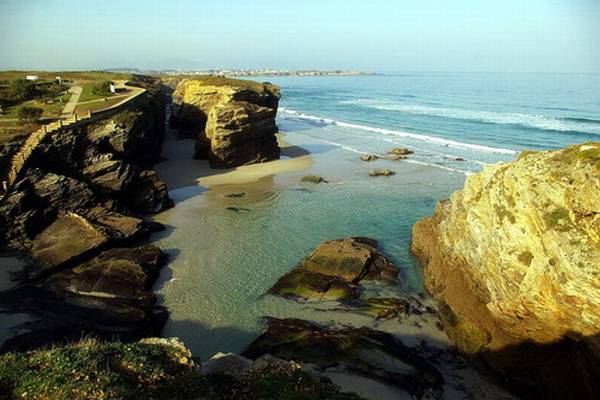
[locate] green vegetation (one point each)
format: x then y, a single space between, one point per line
22 89
83 109
274 384
102 89
28 114
93 370
211 80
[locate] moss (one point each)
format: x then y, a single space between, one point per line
588 153
502 213
558 220
525 258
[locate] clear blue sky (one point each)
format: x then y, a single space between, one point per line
370 35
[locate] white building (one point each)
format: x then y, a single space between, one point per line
32 77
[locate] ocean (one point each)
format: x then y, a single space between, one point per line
224 260
479 117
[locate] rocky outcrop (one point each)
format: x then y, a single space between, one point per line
361 351
232 120
79 200
513 258
154 368
334 269
381 172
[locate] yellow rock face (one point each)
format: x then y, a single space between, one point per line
234 120
515 255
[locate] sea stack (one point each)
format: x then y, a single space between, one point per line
233 121
514 259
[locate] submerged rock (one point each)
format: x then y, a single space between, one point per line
363 351
400 151
313 179
369 157
334 269
233 121
513 258
381 172
395 157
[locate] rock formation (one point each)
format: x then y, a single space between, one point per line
361 351
233 121
514 258
381 172
76 204
334 269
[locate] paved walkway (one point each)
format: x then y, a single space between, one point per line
72 103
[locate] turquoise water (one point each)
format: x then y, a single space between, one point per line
224 261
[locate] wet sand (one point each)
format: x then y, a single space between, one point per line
179 169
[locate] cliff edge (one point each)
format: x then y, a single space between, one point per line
233 121
514 258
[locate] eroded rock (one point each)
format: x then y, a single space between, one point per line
233 121
513 258
334 269
362 351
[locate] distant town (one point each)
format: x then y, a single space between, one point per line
242 72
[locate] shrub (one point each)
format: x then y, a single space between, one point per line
22 89
29 114
102 89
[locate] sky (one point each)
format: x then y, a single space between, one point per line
367 35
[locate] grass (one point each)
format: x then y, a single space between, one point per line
211 80
93 370
83 109
86 93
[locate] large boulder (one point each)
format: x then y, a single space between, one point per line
514 258
334 269
232 120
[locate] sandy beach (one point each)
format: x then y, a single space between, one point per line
179 169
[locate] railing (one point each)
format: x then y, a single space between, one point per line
20 158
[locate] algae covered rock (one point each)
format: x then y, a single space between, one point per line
369 157
232 120
334 269
363 351
515 259
381 172
313 179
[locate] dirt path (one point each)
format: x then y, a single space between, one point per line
72 103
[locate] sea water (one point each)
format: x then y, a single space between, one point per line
224 260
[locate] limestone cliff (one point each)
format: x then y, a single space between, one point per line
233 121
514 258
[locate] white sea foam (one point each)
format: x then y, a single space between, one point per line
412 161
537 121
424 138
